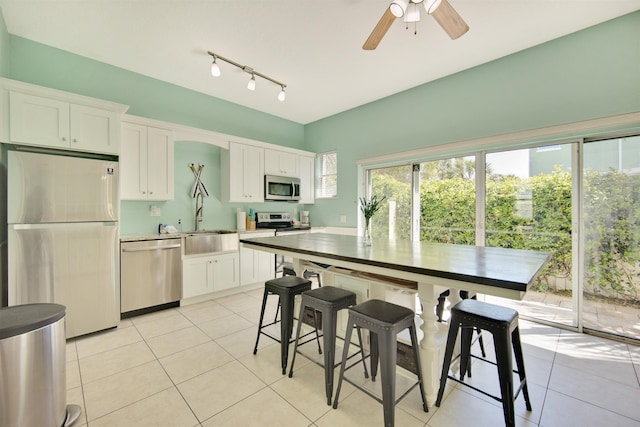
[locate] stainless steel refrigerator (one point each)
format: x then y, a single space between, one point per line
63 235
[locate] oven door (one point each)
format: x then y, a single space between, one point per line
281 188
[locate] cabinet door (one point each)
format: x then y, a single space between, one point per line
306 172
225 271
246 173
197 278
280 163
94 130
133 162
160 164
38 121
265 266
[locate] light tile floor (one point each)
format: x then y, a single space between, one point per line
193 366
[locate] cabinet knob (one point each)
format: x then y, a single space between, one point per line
64 138
75 140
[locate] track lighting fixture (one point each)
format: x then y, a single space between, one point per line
251 85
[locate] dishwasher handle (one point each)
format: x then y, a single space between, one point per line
151 248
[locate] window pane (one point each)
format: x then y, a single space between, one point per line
327 178
612 236
448 201
393 221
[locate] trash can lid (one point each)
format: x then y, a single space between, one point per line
20 319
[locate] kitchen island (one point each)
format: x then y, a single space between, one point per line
434 267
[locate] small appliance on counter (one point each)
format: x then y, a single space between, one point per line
304 217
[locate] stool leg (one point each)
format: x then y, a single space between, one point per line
517 350
315 326
295 347
345 355
502 343
286 324
416 349
264 304
466 334
388 356
374 352
481 342
448 353
364 363
329 321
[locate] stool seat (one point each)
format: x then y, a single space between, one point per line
284 283
286 287
502 323
330 295
384 320
489 314
384 314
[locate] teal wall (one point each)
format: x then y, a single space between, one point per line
159 100
4 48
590 74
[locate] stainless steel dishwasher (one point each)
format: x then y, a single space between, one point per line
150 273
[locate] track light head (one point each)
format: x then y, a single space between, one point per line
282 95
252 83
215 69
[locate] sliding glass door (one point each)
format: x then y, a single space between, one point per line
611 182
529 206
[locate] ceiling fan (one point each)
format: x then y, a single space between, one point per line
441 10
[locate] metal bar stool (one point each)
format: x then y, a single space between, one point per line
286 288
384 321
502 323
328 301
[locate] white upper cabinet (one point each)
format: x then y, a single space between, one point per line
280 163
36 120
307 179
146 163
242 172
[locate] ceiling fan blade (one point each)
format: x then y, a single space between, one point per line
449 20
379 31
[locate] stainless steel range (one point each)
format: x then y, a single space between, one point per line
282 222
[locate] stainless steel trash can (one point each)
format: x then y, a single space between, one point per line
33 365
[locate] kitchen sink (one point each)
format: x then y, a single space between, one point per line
210 241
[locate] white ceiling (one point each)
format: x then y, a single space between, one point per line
313 46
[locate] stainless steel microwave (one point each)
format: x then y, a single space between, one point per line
281 188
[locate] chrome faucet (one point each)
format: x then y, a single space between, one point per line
199 209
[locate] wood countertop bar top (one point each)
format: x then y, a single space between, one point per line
512 269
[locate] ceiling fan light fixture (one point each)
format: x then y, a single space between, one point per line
215 68
431 5
398 8
282 95
412 15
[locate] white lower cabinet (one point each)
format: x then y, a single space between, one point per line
205 274
256 266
